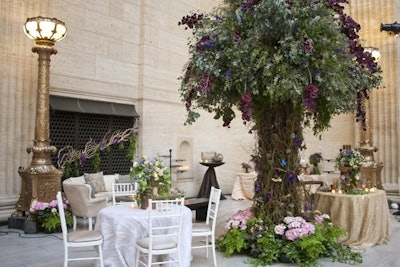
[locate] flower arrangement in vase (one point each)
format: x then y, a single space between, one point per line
349 162
153 179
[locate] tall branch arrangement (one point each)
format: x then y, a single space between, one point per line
68 156
284 65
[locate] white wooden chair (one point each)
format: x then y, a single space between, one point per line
123 189
83 238
207 229
164 238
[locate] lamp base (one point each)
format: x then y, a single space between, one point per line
41 184
372 174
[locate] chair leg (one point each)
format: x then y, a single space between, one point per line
137 257
207 247
90 223
213 251
178 253
101 256
65 255
149 259
74 218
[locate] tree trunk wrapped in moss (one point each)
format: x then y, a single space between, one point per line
278 191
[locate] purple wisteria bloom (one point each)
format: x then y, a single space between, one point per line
291 178
228 74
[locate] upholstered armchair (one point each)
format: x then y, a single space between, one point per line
81 202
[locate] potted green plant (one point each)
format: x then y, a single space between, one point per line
47 216
299 240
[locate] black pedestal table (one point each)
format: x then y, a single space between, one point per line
209 180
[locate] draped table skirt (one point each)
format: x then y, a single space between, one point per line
365 218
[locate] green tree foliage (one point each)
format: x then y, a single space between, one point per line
284 64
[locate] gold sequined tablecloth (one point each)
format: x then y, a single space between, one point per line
365 218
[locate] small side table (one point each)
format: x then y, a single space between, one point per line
209 180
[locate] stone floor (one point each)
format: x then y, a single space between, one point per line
19 250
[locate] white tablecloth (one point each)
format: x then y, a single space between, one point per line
122 225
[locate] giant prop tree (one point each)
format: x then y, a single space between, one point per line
285 65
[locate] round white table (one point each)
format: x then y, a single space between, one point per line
122 225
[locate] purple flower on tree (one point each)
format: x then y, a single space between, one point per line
190 21
291 177
203 43
228 74
206 83
246 107
308 46
309 97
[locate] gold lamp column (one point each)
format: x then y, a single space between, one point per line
41 180
370 170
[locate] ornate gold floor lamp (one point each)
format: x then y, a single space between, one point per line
370 170
41 180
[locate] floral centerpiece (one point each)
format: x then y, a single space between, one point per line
297 240
152 178
47 215
314 159
349 162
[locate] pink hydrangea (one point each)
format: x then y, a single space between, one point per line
293 234
239 220
40 205
53 204
319 219
280 229
294 228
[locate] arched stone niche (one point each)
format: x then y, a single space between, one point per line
185 159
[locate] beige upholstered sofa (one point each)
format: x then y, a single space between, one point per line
101 185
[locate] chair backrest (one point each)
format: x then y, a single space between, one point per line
213 206
80 200
63 221
122 189
165 219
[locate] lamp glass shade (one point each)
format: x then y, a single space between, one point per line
376 54
41 29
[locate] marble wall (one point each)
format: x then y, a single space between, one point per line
132 52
